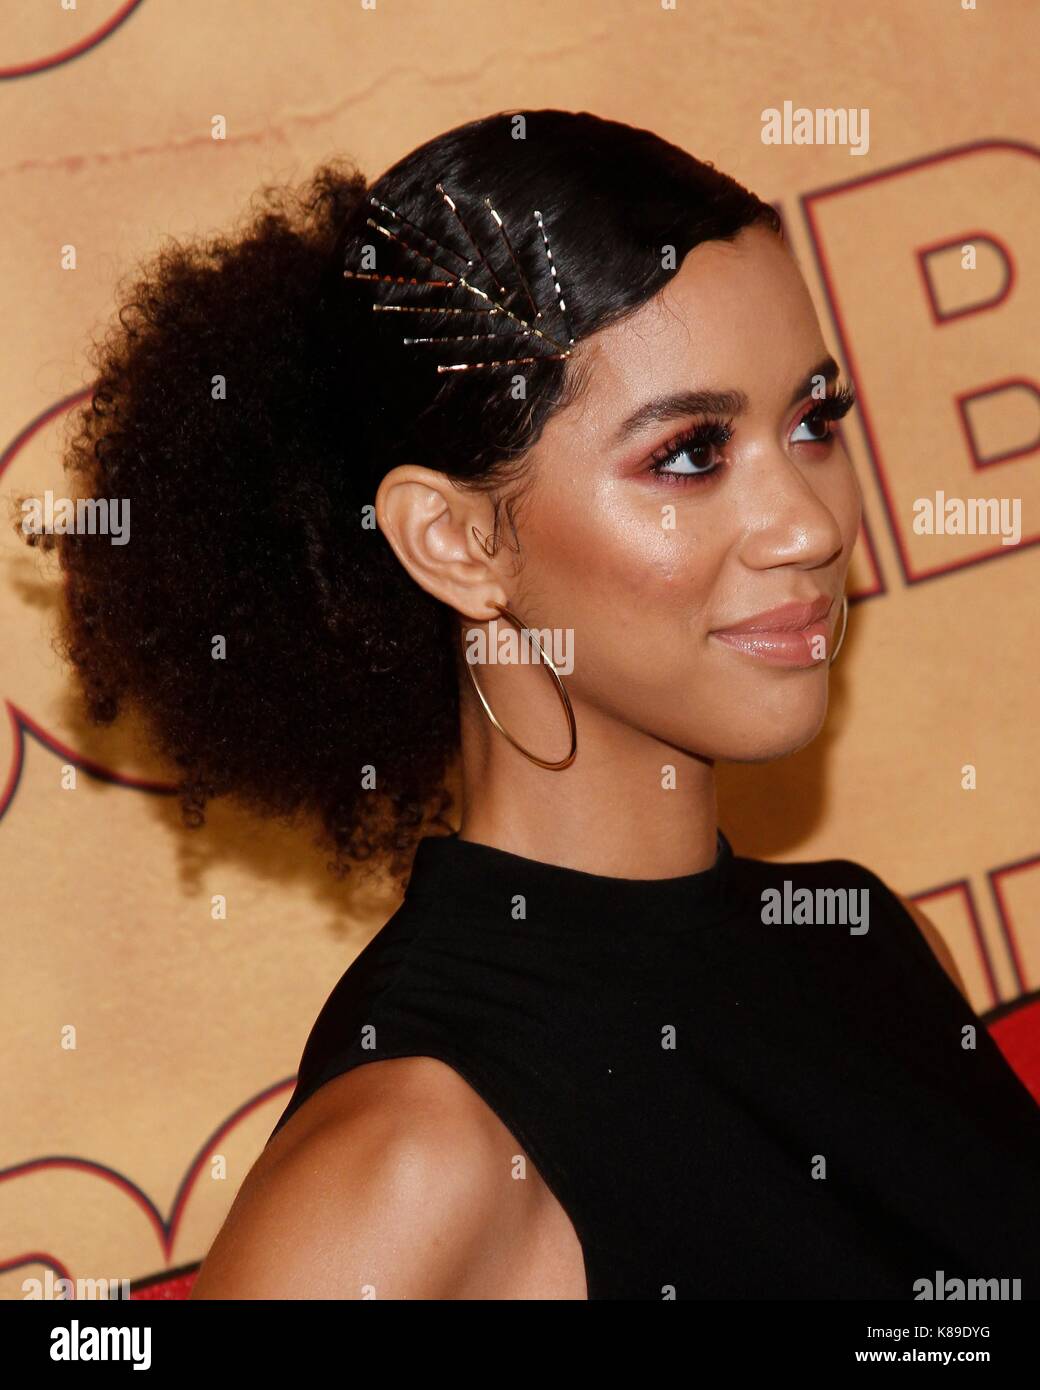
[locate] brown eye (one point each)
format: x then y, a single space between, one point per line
697 450
818 426
694 458
818 420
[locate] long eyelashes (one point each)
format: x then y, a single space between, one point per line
710 434
714 433
831 408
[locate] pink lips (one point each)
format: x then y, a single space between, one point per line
783 636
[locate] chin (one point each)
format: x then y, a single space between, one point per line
775 733
771 752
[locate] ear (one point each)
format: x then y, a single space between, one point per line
429 523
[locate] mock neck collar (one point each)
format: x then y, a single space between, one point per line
451 870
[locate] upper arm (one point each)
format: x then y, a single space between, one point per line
934 938
378 1186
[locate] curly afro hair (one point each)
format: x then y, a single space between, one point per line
246 406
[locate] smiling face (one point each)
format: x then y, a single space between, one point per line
648 529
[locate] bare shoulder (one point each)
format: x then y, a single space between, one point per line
935 940
395 1180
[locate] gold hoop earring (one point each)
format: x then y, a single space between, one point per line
560 688
844 625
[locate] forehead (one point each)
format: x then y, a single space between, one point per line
735 314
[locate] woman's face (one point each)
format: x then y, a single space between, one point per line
648 548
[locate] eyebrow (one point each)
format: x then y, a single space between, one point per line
681 404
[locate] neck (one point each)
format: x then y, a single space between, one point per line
616 810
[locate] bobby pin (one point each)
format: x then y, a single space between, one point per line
430 308
464 338
556 282
383 207
513 256
469 237
393 236
493 306
465 284
399 280
507 362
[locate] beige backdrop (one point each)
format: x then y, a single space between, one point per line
121 1154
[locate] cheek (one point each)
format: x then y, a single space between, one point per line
635 562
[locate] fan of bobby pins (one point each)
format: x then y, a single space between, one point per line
495 305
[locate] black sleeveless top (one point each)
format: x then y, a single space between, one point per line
725 1107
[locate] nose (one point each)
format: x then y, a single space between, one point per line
792 524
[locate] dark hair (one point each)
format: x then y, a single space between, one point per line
248 404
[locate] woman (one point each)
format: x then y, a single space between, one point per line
576 377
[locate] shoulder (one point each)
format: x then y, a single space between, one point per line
935 941
926 929
850 873
394 1180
